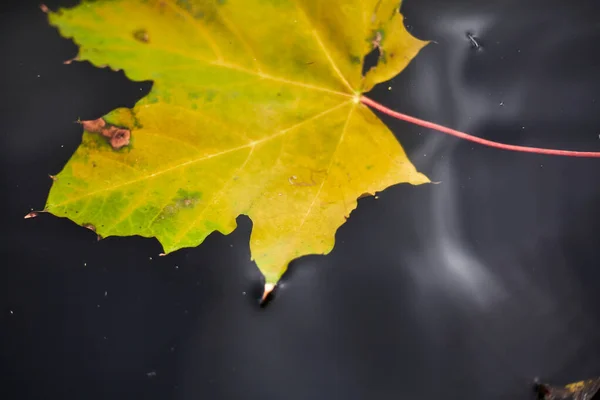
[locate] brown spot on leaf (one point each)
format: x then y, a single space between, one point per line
107 133
119 138
141 35
93 125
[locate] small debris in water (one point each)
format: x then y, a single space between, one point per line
474 43
151 374
582 390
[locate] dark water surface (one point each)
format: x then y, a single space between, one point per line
464 290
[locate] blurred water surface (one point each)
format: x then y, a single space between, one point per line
467 289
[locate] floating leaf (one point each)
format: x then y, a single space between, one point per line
255 110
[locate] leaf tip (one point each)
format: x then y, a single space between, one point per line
91 227
268 289
70 60
32 214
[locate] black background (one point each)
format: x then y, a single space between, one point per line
463 290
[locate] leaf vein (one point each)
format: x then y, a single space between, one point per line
193 161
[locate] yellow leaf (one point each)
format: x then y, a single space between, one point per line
254 110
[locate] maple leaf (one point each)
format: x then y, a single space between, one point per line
255 109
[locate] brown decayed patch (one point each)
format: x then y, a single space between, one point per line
141 35
117 137
93 125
